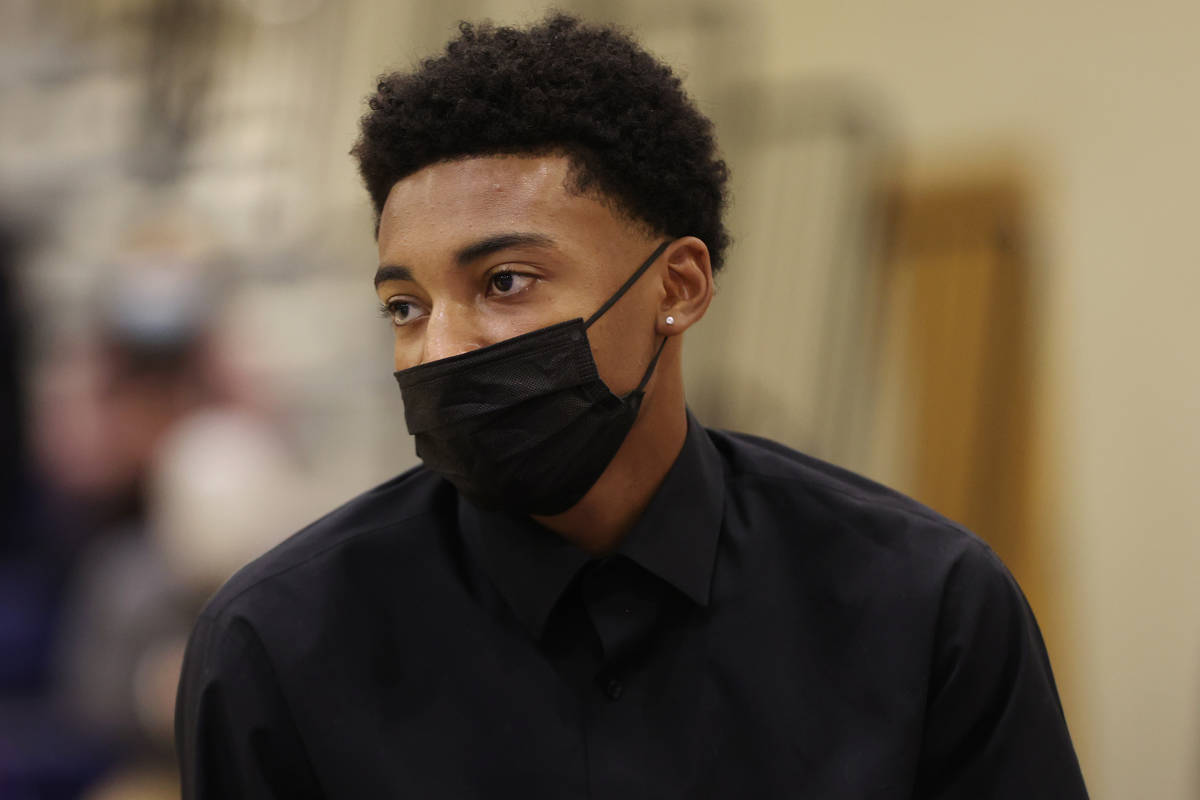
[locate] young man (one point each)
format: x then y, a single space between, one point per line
583 592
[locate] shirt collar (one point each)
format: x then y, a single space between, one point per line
675 538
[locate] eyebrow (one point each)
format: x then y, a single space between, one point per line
470 253
501 241
392 273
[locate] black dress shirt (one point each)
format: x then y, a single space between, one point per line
771 627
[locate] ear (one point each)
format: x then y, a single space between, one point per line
688 285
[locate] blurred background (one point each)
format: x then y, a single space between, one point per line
965 265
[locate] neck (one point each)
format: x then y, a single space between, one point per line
599 521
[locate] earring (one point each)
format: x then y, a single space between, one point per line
670 320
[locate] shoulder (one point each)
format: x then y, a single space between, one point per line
824 488
394 514
848 523
861 545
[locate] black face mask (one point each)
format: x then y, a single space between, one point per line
525 424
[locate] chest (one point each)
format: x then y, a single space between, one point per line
735 701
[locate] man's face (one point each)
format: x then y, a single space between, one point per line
476 251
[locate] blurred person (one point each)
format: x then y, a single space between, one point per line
105 399
182 478
102 409
106 408
583 592
26 610
43 756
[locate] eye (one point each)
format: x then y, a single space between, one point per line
507 283
402 311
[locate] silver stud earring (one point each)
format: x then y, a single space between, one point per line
670 320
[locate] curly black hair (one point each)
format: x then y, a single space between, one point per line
588 92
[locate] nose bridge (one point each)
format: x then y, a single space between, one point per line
448 332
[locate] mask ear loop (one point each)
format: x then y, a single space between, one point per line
625 286
649 370
617 296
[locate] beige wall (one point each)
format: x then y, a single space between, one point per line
1105 101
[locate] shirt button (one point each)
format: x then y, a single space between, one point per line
613 688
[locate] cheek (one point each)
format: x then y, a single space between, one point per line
544 307
406 352
624 340
621 354
495 328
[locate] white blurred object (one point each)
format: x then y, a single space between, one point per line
224 491
158 299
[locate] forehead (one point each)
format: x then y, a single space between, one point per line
447 203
